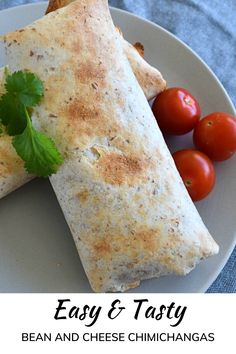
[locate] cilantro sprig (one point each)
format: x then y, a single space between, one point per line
24 90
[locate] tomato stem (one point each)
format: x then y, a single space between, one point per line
188 183
209 123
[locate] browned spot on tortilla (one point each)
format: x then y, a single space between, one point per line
78 111
101 248
147 240
140 48
83 195
135 244
120 169
90 72
87 119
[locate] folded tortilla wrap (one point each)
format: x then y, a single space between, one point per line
12 173
127 208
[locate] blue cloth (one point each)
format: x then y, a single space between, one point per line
208 27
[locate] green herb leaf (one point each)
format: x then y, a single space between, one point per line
38 151
26 87
12 114
24 90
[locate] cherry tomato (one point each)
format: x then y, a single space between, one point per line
197 172
215 135
176 111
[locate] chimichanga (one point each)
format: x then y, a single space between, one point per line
129 213
12 173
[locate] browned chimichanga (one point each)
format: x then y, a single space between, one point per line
12 173
129 213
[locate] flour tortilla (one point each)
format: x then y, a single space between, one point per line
12 173
129 213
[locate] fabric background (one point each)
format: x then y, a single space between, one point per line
209 28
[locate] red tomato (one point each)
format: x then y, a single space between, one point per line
176 111
215 135
197 172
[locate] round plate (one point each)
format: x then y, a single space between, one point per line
37 253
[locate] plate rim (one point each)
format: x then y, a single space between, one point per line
39 5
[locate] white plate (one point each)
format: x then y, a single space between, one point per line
37 253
